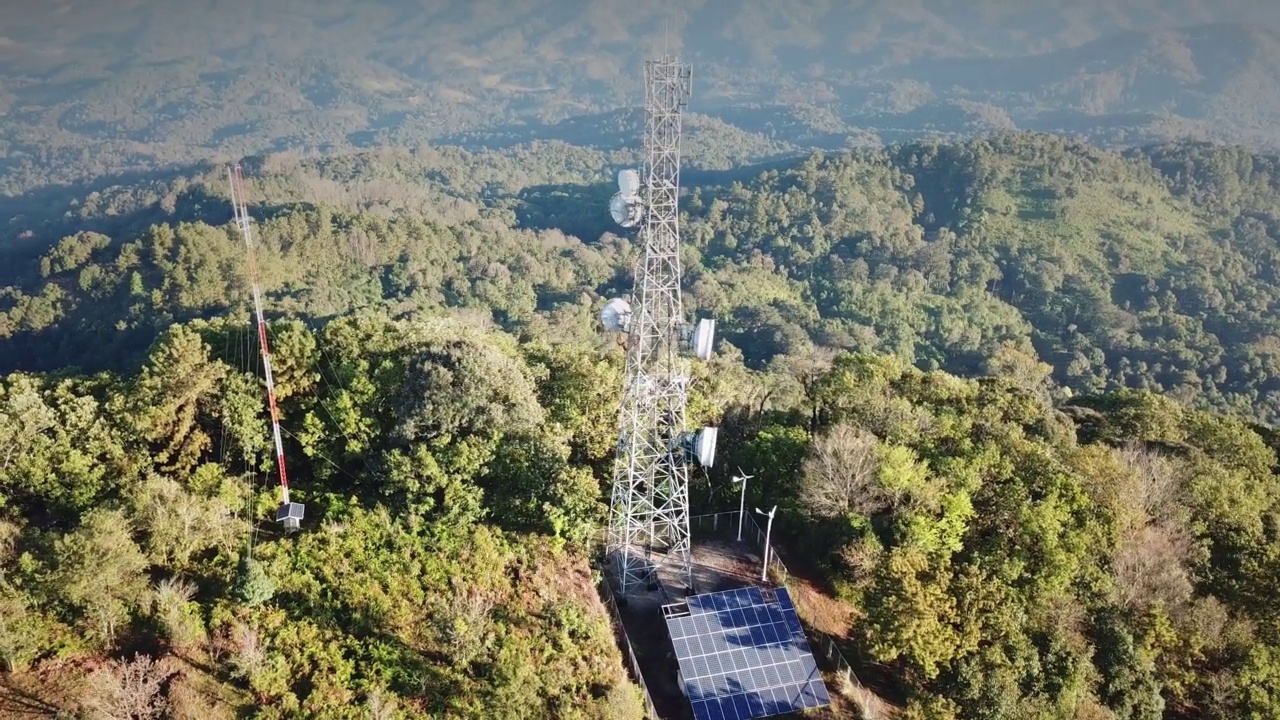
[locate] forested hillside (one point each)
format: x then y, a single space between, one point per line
1113 559
1012 392
1151 269
448 476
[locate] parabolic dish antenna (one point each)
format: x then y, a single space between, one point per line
625 211
615 315
629 183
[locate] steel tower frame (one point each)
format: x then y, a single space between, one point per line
649 509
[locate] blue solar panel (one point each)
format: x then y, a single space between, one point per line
742 657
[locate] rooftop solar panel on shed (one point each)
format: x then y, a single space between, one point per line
743 657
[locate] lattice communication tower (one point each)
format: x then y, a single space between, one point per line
649 509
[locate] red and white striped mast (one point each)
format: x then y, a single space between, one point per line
290 513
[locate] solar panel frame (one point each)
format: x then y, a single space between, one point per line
742 657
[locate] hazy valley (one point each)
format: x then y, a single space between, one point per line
92 88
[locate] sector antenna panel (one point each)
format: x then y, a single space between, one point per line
704 446
703 337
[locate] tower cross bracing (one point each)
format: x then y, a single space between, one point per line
650 501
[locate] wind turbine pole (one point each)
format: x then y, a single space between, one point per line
742 503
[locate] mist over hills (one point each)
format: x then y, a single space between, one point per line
96 87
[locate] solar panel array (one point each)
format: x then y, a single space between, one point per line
742 657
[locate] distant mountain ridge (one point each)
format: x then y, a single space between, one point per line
1213 81
88 88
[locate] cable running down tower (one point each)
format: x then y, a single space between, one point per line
290 513
649 509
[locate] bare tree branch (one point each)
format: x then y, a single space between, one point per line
127 690
1158 482
381 705
248 655
1150 568
840 473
